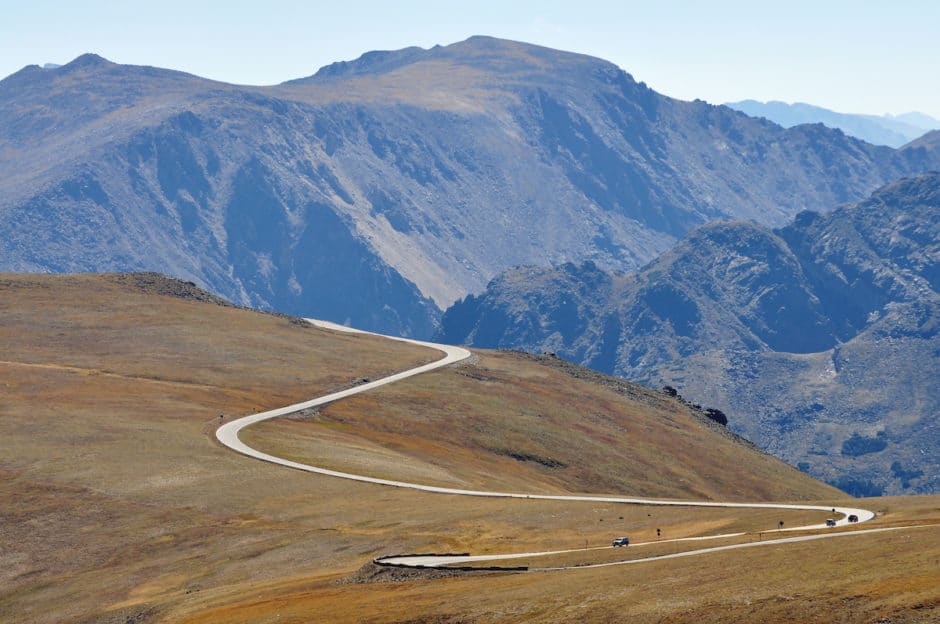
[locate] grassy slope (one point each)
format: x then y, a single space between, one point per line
525 423
114 489
116 503
890 577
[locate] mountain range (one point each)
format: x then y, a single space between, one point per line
820 340
891 130
379 191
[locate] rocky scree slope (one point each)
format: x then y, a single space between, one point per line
820 340
379 191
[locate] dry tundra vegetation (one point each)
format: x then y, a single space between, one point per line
117 505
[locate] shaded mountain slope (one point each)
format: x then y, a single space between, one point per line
819 339
381 190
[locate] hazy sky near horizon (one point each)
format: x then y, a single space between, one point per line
858 57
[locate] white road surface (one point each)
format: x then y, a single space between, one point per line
436 561
227 434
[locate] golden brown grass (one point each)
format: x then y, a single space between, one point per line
509 422
889 577
110 397
116 502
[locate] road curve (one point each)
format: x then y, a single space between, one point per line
228 435
436 561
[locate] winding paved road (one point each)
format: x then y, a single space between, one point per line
227 434
436 561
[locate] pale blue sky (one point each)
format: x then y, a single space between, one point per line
861 56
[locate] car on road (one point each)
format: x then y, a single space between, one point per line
830 522
853 518
621 541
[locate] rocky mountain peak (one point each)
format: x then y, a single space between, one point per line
371 63
50 70
496 57
432 170
89 59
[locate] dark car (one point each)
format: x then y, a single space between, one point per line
830 522
621 541
853 518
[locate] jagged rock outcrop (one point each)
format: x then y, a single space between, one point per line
808 336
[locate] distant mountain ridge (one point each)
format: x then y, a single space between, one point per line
820 340
890 130
378 191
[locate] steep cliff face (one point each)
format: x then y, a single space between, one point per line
381 190
809 336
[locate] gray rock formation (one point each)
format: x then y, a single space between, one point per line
379 191
820 340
